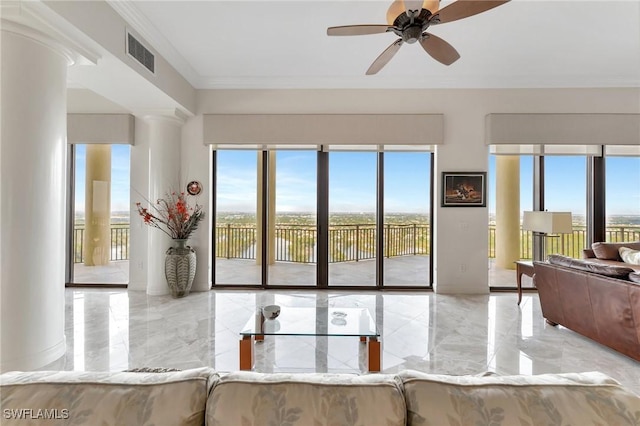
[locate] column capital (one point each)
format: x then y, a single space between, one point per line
39 37
36 20
171 116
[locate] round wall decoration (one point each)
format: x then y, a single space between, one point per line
194 187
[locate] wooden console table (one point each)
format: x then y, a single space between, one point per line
523 267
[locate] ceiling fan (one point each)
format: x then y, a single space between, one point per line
409 19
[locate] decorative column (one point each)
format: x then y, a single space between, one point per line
97 207
507 242
271 205
165 133
33 134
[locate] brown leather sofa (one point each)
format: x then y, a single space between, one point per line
598 301
608 253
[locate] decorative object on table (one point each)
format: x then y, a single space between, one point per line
464 189
175 217
339 318
194 187
271 311
543 225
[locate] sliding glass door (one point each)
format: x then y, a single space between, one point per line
305 218
236 228
622 199
100 225
518 242
352 218
292 239
565 190
407 220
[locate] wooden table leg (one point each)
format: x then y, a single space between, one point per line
374 354
246 353
519 284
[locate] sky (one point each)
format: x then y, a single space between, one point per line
352 181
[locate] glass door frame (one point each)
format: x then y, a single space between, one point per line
70 223
322 228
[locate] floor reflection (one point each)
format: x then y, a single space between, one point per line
112 329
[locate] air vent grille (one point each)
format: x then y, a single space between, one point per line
140 53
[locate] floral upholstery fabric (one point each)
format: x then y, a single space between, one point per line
547 399
201 396
247 398
109 398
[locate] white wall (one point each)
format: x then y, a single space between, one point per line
461 237
138 264
196 166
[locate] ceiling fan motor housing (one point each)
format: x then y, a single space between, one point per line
410 28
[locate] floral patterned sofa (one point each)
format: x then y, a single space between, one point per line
205 397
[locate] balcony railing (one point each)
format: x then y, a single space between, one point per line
347 243
119 242
354 242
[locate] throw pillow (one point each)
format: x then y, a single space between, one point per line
629 255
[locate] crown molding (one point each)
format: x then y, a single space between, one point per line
453 82
143 26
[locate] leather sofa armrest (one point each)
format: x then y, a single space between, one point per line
588 254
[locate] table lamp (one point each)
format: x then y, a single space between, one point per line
544 223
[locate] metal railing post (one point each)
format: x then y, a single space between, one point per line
357 242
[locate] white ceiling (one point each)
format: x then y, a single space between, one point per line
283 44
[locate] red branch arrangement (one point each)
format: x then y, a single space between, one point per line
172 215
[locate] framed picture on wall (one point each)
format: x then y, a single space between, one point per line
464 189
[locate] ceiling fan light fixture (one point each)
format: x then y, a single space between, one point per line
431 5
396 8
401 6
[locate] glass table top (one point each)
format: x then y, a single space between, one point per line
313 322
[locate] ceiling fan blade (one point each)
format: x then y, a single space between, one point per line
439 49
465 8
385 57
351 30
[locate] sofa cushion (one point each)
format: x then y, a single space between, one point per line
629 255
613 271
635 277
306 399
92 398
563 399
609 251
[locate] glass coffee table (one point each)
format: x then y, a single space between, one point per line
347 322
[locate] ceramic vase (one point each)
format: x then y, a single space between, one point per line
180 268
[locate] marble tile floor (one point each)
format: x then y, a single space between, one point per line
114 329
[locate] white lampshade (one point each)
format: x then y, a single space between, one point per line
548 222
